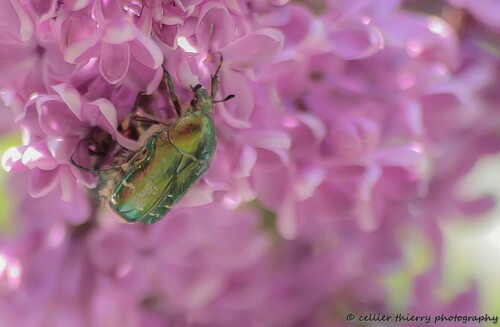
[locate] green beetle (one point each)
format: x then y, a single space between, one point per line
152 180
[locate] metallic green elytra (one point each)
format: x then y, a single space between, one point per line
152 180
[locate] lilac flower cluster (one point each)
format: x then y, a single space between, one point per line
350 130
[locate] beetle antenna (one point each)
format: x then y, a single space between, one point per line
221 59
229 97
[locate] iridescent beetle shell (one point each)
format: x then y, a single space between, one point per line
171 161
152 180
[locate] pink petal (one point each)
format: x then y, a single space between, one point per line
347 7
316 125
476 207
102 113
7 124
267 139
61 148
283 71
141 78
354 137
354 40
309 179
407 157
111 249
187 68
187 5
80 155
115 61
279 2
370 178
170 14
466 303
15 18
76 5
247 160
145 50
203 290
79 35
86 178
237 111
422 34
200 194
111 307
217 176
56 119
298 26
181 227
215 27
144 22
43 182
254 50
306 132
68 183
37 155
366 216
11 159
118 32
272 159
278 18
167 34
71 97
272 147
484 10
12 100
108 10
127 143
413 118
287 219
383 9
44 8
272 187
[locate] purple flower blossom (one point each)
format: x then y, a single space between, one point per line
350 129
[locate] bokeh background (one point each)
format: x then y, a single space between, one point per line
356 169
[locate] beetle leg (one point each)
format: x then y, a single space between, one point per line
73 162
94 171
215 78
145 119
171 91
72 159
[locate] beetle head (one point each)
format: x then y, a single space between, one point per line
201 100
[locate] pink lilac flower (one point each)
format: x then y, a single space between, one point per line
482 10
350 127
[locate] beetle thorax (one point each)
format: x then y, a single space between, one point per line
194 134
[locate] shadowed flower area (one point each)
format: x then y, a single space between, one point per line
353 123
